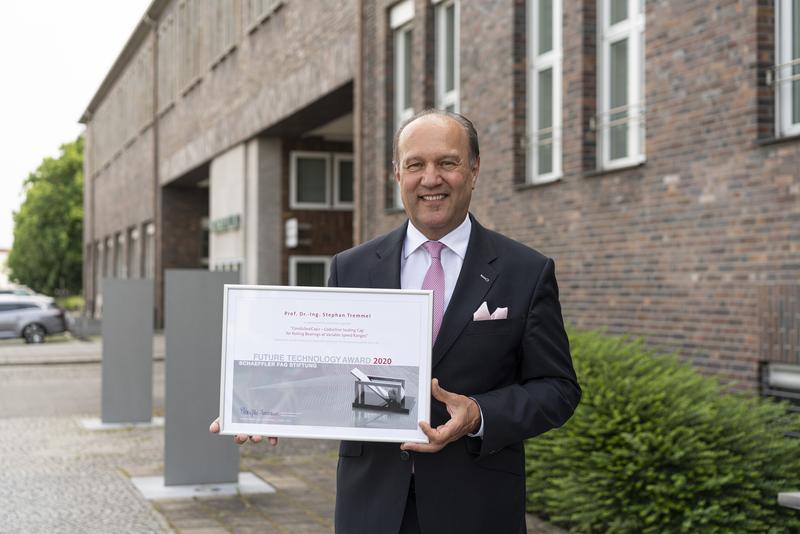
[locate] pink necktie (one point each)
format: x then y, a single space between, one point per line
434 279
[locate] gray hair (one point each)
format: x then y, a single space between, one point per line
469 129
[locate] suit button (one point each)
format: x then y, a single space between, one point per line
404 455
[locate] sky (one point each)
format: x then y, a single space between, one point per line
53 56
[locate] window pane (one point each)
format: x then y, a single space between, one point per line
618 93
345 181
544 135
407 69
619 74
310 274
545 159
545 17
619 11
545 110
450 44
311 180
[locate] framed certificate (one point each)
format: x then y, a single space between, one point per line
328 363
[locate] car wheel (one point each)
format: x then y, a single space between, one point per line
33 333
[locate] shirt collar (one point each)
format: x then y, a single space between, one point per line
457 240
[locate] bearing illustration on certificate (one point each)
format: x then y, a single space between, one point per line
327 363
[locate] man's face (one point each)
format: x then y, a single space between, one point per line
435 177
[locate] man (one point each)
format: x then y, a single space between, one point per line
496 382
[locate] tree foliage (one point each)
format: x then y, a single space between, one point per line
48 228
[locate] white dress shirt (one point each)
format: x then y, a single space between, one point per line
415 261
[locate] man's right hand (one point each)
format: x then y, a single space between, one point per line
240 438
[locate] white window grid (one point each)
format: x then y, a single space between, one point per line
447 99
332 180
786 73
294 261
293 188
539 62
632 29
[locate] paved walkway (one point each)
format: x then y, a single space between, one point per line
17 352
57 477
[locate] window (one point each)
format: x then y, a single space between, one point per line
98 276
314 186
149 251
621 92
108 259
544 91
343 181
447 55
401 19
787 70
133 253
119 257
309 271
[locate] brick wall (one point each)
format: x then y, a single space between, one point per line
679 250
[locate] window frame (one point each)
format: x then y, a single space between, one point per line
552 59
295 259
446 98
783 77
631 28
293 189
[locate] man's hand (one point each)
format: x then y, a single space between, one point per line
240 438
465 418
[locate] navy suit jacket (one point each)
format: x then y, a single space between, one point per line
519 370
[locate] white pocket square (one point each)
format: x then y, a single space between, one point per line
482 313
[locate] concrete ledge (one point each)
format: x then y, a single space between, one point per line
153 488
790 499
95 423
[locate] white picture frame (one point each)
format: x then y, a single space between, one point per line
293 362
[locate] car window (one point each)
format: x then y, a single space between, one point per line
7 307
26 306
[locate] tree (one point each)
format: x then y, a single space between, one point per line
48 228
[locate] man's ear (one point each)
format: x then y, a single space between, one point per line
475 170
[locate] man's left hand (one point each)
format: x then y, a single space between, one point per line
465 418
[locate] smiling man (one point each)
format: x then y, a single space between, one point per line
498 378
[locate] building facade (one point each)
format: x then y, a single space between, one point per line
221 127
651 148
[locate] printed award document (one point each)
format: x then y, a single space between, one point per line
327 363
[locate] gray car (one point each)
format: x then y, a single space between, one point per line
30 317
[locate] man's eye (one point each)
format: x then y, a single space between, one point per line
413 166
449 165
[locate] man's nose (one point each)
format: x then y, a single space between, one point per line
430 176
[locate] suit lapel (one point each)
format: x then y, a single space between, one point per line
385 274
476 278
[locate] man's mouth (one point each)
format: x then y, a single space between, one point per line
433 197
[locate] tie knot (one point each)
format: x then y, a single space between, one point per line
434 248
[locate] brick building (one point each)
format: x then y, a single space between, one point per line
651 148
